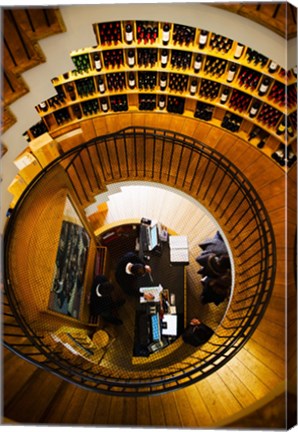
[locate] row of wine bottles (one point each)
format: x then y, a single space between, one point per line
267 115
119 81
148 32
205 89
178 59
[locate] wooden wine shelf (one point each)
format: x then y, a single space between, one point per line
247 123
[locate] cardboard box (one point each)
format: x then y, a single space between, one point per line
45 149
17 187
28 165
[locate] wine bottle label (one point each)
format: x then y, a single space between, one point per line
166 36
273 66
162 104
281 128
238 51
131 83
163 83
203 39
102 88
164 58
263 88
193 89
98 64
230 75
131 61
128 36
224 97
253 111
197 65
104 107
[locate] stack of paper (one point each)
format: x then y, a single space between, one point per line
178 249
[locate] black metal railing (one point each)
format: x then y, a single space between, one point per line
202 172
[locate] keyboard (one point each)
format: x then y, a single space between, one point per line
155 327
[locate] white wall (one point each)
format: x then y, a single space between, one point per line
78 20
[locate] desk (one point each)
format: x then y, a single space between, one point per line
172 277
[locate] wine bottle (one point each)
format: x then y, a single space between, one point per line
164 58
203 39
224 96
77 112
166 34
193 87
231 73
162 102
101 86
104 104
128 34
43 106
97 62
264 86
281 127
272 67
163 81
290 130
71 92
254 109
131 58
238 51
198 63
131 80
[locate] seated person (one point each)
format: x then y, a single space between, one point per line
214 245
213 265
129 269
196 333
215 290
102 302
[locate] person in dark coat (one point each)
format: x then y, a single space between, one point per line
102 302
128 270
197 333
215 290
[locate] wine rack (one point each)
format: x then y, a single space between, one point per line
178 69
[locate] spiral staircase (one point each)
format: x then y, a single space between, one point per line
247 365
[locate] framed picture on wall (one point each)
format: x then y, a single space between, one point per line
68 281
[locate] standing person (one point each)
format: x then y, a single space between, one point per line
129 269
102 302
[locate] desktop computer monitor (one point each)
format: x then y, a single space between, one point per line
153 236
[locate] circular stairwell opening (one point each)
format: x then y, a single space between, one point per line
199 171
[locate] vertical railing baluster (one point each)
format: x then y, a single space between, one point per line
93 169
99 160
203 176
86 174
171 158
162 155
126 154
144 152
135 152
179 162
195 171
187 166
117 157
212 178
153 153
109 158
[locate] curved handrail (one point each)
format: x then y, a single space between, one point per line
254 286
